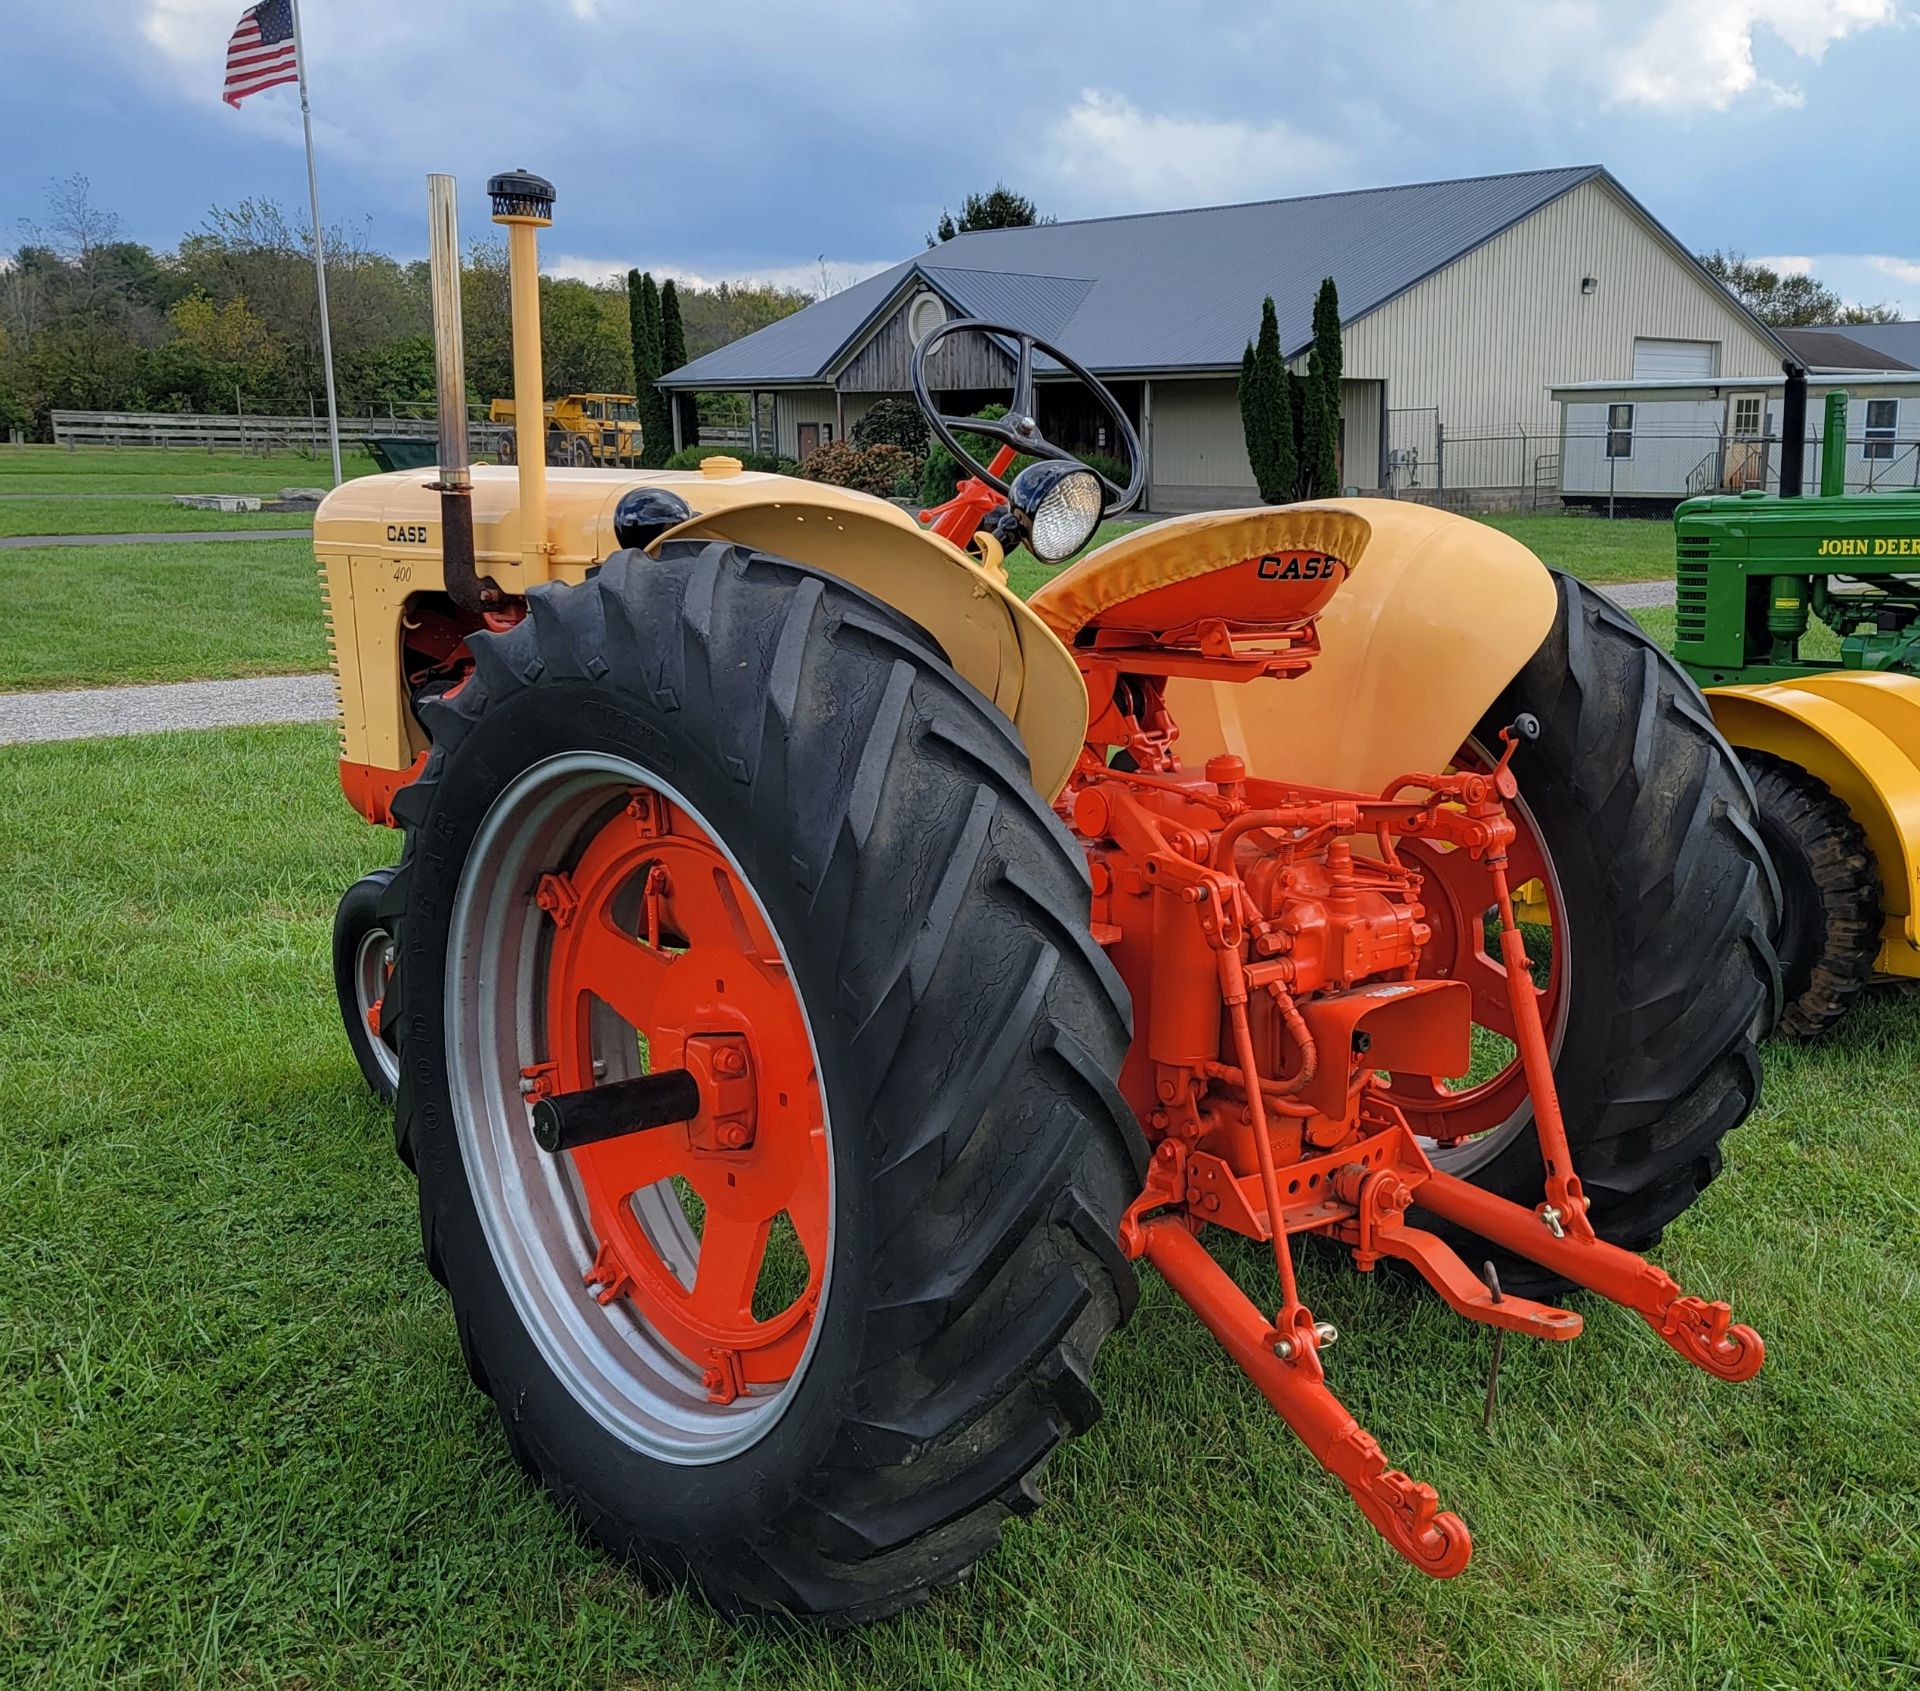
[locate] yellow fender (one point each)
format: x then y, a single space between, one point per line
1859 732
989 634
1439 614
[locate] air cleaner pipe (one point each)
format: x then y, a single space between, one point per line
523 202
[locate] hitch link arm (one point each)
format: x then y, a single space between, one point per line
1405 1512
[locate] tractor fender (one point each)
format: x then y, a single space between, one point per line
1859 732
1438 615
989 635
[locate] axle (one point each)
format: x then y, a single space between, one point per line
565 1121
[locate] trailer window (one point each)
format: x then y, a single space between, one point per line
1619 431
1882 416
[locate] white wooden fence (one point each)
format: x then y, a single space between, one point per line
244 433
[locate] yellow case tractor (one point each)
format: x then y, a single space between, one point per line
816 979
581 429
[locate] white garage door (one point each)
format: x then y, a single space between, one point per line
1674 361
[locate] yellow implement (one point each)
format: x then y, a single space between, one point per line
1859 732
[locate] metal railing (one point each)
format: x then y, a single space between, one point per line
243 432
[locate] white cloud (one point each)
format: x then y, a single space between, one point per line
1115 155
1699 53
1788 264
1900 269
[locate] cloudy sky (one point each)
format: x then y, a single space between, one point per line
758 140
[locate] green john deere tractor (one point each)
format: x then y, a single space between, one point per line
1801 618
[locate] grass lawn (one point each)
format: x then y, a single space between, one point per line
237 1445
125 514
1589 547
91 615
162 470
1627 549
184 612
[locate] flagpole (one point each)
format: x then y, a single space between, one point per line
319 247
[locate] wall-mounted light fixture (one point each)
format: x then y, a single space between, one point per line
1589 283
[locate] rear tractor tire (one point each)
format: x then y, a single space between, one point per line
718 811
1830 913
1664 911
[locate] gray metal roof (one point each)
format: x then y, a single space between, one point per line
1897 341
1844 349
1166 290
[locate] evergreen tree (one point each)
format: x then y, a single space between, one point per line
643 306
1320 421
1287 433
1256 419
1264 412
673 353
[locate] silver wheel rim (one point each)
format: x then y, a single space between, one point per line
1466 1156
372 964
638 1387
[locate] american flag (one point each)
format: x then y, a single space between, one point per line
261 53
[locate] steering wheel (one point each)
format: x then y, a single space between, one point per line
1018 428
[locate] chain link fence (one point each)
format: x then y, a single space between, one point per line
1624 455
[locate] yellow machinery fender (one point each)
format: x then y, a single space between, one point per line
1438 616
1859 732
990 636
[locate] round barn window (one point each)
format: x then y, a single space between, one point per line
926 314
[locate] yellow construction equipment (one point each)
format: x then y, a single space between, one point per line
582 429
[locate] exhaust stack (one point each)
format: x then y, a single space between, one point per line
450 388
523 202
1793 433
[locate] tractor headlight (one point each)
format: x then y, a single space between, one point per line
1058 505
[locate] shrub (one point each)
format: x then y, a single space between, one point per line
1104 463
893 422
942 470
865 469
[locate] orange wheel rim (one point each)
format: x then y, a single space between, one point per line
1457 897
656 938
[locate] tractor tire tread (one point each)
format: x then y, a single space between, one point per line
1660 1059
1830 886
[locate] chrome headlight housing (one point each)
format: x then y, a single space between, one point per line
1058 504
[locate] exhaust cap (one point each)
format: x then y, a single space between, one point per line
521 195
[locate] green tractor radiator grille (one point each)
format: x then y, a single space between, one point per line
1690 587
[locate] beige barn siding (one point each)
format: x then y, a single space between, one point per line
1200 449
1361 419
1484 338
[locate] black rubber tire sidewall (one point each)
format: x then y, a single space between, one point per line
358 914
